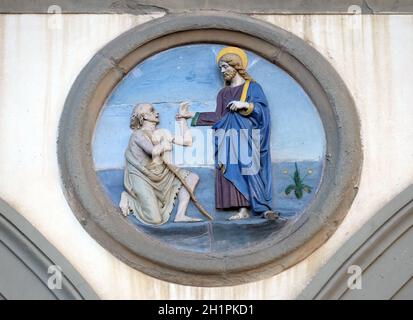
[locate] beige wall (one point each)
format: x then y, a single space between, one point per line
38 64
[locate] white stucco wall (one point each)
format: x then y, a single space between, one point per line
38 65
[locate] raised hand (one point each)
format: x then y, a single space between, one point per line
184 112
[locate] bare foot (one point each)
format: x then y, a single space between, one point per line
271 215
186 219
242 214
123 204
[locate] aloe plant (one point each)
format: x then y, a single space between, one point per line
299 187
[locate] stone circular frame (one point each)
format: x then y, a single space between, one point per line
102 219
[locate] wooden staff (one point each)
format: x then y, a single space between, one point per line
191 194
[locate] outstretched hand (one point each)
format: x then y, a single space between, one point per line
184 112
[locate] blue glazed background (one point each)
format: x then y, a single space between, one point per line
189 73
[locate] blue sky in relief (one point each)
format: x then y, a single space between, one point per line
189 73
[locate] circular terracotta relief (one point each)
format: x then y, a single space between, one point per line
209 151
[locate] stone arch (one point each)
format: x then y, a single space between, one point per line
25 258
382 249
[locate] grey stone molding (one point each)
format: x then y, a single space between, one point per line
176 6
382 248
25 258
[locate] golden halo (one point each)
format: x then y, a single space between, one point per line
234 50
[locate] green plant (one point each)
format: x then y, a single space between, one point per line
299 187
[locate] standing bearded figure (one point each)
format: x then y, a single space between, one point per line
241 108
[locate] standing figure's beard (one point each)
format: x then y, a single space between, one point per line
229 75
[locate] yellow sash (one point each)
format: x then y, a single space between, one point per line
245 90
244 97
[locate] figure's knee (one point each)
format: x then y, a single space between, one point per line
192 179
195 178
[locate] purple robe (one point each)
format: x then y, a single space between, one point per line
227 195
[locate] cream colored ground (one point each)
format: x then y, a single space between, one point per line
38 65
